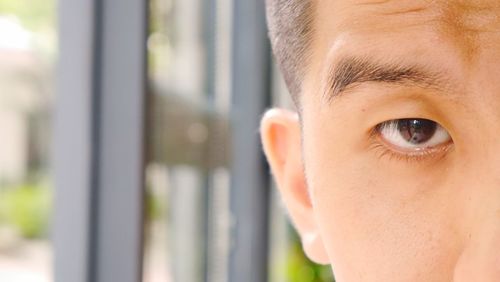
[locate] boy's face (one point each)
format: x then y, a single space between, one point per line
392 172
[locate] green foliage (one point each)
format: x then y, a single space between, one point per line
27 209
34 15
155 207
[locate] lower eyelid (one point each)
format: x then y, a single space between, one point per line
387 150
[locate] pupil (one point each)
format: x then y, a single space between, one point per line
417 131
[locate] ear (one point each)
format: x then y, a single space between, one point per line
281 138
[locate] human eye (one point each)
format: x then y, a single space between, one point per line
413 137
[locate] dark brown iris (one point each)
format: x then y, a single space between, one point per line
417 131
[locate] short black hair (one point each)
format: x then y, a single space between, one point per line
290 31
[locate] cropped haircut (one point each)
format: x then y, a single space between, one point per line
290 31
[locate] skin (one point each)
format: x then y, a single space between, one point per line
374 211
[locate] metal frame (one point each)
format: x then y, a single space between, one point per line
250 194
99 146
72 142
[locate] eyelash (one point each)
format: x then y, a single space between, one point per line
383 150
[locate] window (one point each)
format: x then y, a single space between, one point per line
158 165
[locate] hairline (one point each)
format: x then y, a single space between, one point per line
290 25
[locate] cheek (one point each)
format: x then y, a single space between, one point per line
377 221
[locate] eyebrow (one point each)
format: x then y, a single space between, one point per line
352 71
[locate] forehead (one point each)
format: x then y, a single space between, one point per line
465 24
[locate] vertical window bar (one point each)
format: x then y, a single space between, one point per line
73 142
100 140
120 164
249 174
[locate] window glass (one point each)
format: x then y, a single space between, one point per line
28 50
187 234
187 229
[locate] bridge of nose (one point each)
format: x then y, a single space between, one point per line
479 218
480 259
476 197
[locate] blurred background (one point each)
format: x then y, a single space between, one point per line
206 209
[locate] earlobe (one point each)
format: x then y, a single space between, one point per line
313 246
281 138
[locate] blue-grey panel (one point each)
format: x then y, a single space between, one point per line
99 147
73 142
121 92
249 174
